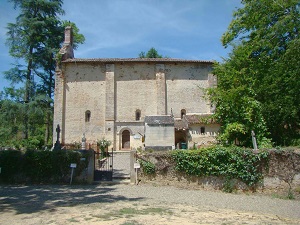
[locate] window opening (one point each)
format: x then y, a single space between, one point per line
183 113
87 116
138 115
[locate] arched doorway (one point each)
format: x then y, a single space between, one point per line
181 139
126 139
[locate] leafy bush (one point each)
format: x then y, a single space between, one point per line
10 163
35 166
231 163
147 167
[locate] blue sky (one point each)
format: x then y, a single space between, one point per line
189 29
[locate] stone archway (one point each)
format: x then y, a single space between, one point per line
125 140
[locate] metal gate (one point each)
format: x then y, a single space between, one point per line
103 170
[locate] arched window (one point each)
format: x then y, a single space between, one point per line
87 116
138 115
183 113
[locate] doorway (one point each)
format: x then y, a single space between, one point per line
126 140
181 139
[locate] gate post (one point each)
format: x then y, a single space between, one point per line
132 170
91 166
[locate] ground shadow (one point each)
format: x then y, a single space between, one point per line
31 199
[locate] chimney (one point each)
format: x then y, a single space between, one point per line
67 49
68 36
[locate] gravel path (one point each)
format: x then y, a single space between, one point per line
141 204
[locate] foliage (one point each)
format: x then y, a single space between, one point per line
147 167
36 166
104 144
152 53
34 39
10 163
259 85
230 163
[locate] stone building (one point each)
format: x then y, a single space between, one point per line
133 102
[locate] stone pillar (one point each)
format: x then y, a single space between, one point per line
91 166
161 89
212 82
59 106
132 170
110 103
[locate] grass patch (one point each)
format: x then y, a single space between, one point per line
72 220
131 223
289 196
130 212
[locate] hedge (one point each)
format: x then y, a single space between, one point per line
34 166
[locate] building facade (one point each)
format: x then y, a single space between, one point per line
133 102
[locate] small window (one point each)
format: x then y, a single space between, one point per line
87 116
138 115
183 113
202 130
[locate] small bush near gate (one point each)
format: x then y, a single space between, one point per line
227 162
36 166
147 167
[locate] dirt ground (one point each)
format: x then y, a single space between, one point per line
145 204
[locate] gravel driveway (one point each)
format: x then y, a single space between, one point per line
141 204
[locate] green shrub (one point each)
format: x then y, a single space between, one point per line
10 163
147 167
228 162
36 166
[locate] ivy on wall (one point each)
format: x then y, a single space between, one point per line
228 162
147 167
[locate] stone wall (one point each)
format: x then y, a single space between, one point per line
114 92
283 173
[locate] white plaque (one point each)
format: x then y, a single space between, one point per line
136 166
73 165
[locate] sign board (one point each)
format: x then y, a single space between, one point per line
73 165
137 136
136 165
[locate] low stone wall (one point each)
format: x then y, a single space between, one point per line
283 173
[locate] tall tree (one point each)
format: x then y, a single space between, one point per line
27 40
34 39
152 53
259 85
47 63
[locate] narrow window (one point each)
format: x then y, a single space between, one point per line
87 116
138 115
202 130
183 113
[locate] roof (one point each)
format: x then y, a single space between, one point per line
199 118
121 60
159 120
181 124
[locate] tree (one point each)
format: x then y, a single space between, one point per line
27 40
35 39
259 85
152 53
